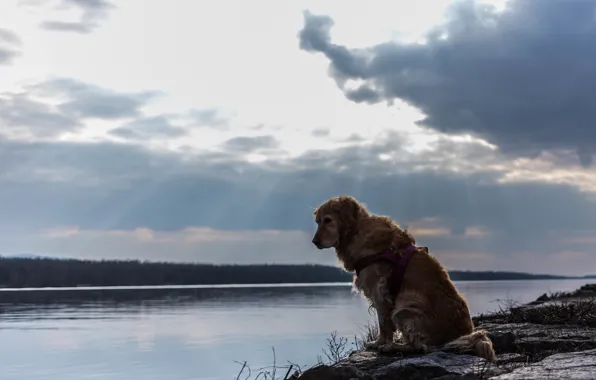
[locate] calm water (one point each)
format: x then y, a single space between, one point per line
195 333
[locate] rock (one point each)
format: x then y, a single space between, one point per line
552 337
585 291
334 373
570 366
437 365
536 341
542 298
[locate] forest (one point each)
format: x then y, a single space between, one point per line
48 272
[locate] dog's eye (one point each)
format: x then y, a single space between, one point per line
327 220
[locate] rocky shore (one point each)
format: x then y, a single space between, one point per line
553 337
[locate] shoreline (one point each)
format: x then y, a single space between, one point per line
250 285
37 273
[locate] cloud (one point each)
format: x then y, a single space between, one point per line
519 77
10 45
53 107
167 198
320 132
208 117
91 14
170 191
21 114
89 101
147 128
188 245
248 144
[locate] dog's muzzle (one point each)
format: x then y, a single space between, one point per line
317 243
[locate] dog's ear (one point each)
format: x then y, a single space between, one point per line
349 207
349 210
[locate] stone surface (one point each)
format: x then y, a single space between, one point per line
535 341
553 337
570 366
437 365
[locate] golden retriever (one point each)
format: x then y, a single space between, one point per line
427 310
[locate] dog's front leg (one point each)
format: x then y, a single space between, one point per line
382 302
410 319
386 329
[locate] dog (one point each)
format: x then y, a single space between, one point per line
427 309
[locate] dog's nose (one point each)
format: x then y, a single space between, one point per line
316 242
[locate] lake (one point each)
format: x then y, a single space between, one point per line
183 333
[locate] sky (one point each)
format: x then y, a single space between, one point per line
209 131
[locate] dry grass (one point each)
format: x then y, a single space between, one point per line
337 349
580 313
588 290
267 373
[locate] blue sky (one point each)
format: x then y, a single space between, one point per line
208 131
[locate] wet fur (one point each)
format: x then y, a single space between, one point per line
428 311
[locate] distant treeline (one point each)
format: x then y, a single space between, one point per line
494 276
46 272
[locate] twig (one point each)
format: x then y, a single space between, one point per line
242 370
287 373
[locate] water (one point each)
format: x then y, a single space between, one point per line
193 332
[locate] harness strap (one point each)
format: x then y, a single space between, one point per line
399 265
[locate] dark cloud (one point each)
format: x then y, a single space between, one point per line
120 186
520 78
92 13
107 186
10 45
246 144
147 128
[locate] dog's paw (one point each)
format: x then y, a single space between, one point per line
390 348
374 345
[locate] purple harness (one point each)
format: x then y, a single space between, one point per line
399 265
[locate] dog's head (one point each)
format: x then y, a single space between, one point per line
337 220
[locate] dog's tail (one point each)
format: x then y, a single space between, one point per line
477 343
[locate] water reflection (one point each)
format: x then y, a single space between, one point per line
176 333
190 333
